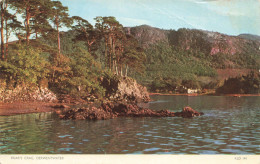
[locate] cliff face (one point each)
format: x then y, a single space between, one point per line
126 89
129 89
197 40
212 42
147 35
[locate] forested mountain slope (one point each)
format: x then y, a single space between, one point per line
194 58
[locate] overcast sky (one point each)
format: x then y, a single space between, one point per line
231 17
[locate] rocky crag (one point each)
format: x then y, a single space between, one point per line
147 35
117 89
27 94
125 89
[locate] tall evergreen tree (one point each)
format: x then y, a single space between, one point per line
111 31
11 25
2 28
86 32
60 17
30 9
8 24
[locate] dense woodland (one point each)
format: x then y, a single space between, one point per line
75 62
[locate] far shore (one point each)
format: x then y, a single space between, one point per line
200 94
175 94
15 108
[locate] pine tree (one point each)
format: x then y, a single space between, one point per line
86 32
60 17
30 11
9 23
111 31
2 28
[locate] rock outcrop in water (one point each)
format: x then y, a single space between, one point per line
124 89
188 112
112 110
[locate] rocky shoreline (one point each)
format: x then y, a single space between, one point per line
107 110
110 110
122 96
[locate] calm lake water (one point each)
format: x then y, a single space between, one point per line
231 125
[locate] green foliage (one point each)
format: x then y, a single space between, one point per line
25 65
78 75
165 64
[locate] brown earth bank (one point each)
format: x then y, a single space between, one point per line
26 107
7 109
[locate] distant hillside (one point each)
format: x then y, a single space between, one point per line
250 37
198 40
194 58
235 49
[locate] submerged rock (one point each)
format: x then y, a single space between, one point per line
188 112
112 110
90 113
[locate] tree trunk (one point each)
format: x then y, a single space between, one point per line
121 70
113 53
28 16
126 70
116 68
110 53
58 35
6 39
89 49
106 54
2 32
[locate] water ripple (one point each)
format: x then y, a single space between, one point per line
229 126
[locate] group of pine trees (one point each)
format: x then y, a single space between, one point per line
38 52
74 61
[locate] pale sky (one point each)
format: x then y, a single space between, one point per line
231 17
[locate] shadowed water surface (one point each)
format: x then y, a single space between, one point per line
231 125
